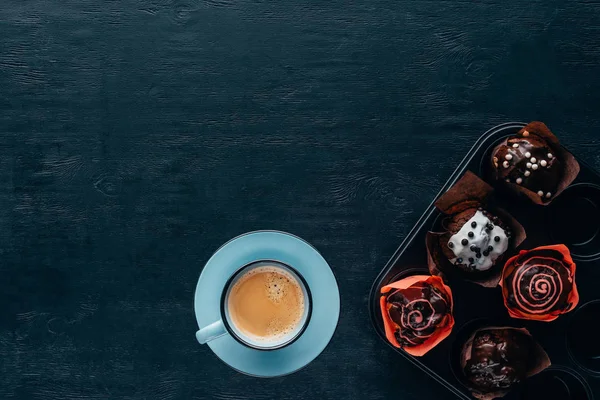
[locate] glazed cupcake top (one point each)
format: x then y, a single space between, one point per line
529 161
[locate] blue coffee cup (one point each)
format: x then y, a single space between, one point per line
227 326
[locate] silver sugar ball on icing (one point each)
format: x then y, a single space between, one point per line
516 145
528 154
527 173
508 157
550 155
533 160
528 165
543 163
519 181
540 193
548 195
534 166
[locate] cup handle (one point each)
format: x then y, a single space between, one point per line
211 332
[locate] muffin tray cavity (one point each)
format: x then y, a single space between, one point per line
573 219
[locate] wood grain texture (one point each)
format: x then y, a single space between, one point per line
138 136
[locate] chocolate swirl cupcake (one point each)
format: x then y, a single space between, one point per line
539 284
417 313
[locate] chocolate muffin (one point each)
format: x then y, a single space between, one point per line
499 359
533 161
495 359
539 284
529 161
417 313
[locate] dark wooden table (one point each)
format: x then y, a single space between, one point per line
138 136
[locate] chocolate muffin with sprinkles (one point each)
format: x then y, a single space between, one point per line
473 237
534 163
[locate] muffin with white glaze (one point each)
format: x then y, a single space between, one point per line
478 239
474 237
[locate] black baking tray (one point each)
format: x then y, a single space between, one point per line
573 218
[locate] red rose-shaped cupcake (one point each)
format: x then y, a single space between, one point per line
417 313
539 284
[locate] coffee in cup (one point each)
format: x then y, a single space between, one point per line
266 304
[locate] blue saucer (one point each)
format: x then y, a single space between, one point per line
290 250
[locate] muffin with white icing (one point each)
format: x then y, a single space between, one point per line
473 237
477 240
